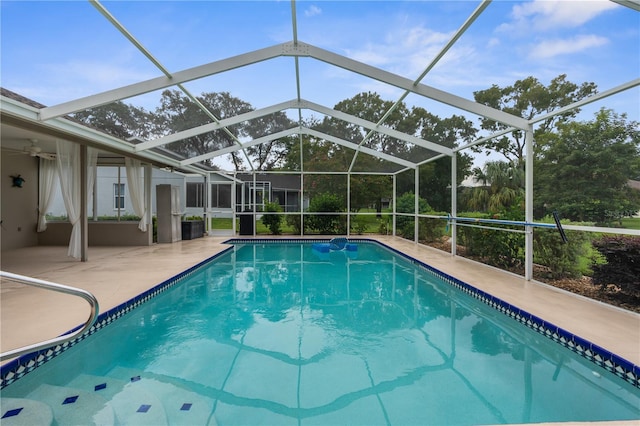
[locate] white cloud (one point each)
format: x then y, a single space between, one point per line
542 15
312 10
52 83
98 74
550 48
493 42
375 55
406 51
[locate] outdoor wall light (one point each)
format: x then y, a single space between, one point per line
17 181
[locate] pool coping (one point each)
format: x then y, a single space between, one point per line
624 369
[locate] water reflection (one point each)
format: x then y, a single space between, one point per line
405 335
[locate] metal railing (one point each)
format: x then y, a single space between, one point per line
90 298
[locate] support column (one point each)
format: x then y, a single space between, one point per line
84 224
454 202
348 204
301 184
301 203
393 200
528 214
234 201
416 225
205 201
148 178
94 207
253 200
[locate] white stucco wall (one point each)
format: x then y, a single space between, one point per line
19 213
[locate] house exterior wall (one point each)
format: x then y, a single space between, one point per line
106 233
19 208
106 178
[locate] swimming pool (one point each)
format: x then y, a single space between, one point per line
282 334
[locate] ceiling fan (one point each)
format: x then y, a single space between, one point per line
34 150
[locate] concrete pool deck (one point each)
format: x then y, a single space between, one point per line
116 274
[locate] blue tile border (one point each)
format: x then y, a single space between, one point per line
611 362
17 368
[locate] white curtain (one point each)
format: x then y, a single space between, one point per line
68 160
47 179
136 190
68 157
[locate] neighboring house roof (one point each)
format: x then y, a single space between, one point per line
471 182
635 184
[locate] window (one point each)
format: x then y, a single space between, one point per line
221 195
195 194
118 196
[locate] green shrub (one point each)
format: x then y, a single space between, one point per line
272 221
293 220
359 225
432 229
570 260
325 224
406 204
384 226
498 248
623 263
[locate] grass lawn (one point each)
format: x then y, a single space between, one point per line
360 223
223 223
631 222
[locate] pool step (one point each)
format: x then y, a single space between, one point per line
181 406
74 406
132 404
122 397
27 412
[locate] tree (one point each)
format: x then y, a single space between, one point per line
120 120
178 113
269 155
435 176
367 191
529 98
327 156
502 187
583 171
371 107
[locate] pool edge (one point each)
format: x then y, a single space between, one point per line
624 369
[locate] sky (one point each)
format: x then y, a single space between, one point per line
56 51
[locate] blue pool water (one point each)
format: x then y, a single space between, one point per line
283 334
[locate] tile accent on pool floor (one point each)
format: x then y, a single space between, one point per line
12 413
70 400
622 368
